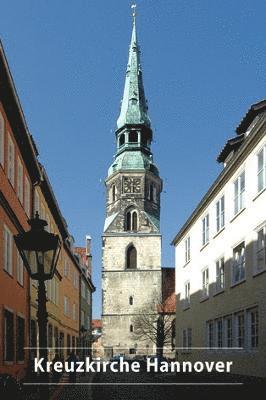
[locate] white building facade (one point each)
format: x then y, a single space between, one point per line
220 256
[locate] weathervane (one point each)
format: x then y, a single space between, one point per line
134 6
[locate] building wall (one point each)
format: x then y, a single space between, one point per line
12 216
234 298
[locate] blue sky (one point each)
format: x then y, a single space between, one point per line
203 66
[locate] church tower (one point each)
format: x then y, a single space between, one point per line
131 271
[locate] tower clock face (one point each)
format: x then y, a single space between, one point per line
131 185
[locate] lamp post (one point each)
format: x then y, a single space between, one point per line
39 251
83 333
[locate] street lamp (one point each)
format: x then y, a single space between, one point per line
39 251
83 332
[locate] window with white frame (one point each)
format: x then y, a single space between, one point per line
220 282
260 262
253 328
187 339
240 330
187 249
74 312
8 253
27 196
239 269
219 330
210 334
205 282
228 322
2 139
239 193
36 202
20 269
20 180
66 268
187 294
261 159
66 305
205 230
75 280
220 214
11 161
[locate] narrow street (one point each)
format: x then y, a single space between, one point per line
144 386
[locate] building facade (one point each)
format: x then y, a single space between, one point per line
221 259
19 171
131 241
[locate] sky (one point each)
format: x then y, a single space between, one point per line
203 65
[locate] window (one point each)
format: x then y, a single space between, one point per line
131 329
210 332
187 294
219 324
205 230
152 192
36 202
75 280
82 318
20 339
238 263
253 328
220 274
220 214
66 268
133 137
66 305
187 249
131 300
239 193
229 331
42 211
131 257
20 181
83 290
240 330
50 335
205 282
187 339
27 196
121 140
261 157
11 161
88 296
8 336
260 263
113 193
8 247
2 139
132 220
20 269
74 312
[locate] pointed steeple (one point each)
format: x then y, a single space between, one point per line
134 109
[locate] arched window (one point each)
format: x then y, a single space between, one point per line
131 220
113 193
121 140
131 257
131 300
131 329
133 137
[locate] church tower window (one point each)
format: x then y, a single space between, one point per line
131 328
121 140
133 137
131 300
131 257
131 221
113 193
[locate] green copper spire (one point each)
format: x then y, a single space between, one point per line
134 109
